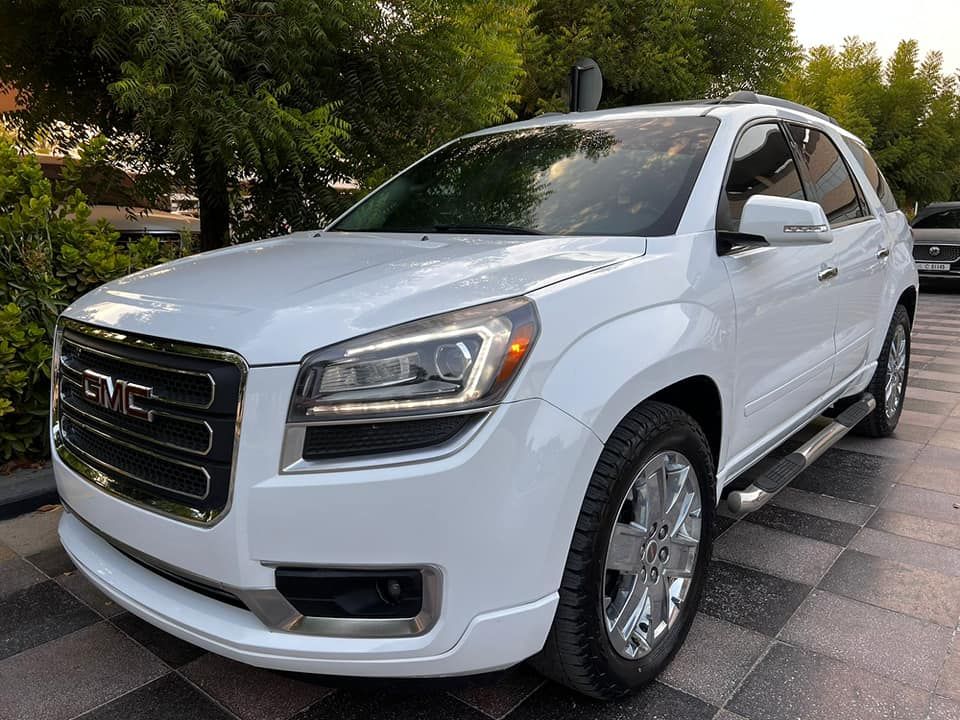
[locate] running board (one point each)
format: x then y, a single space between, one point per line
775 479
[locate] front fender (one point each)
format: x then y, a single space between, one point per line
619 364
619 348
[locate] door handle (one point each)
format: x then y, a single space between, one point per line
827 273
883 253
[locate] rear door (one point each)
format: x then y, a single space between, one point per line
860 245
785 313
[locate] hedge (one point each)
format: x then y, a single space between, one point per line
50 254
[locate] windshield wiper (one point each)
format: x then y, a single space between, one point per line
488 229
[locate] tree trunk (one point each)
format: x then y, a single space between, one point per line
214 198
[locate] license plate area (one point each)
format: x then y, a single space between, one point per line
933 266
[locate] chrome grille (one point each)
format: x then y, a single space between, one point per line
948 253
175 454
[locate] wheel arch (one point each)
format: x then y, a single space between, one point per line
908 298
699 397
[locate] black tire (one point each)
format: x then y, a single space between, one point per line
578 652
878 423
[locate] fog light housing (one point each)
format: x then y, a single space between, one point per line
358 594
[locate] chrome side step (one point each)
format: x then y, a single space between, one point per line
775 479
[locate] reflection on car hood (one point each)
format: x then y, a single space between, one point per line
276 300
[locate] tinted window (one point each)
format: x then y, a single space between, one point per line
877 181
834 186
762 165
949 219
630 177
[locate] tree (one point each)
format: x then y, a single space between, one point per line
50 254
419 76
748 44
657 51
281 93
907 111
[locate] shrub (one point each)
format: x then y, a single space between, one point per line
50 254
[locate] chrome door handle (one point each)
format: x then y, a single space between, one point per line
827 273
883 253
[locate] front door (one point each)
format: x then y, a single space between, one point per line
785 312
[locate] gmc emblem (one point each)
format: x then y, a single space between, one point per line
117 395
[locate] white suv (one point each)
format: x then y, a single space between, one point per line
489 413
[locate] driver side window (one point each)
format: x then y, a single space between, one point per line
762 165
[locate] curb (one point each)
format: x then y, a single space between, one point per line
26 490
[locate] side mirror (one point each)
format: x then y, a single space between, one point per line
785 222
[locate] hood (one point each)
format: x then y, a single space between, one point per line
276 300
933 236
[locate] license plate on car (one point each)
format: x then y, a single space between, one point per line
933 266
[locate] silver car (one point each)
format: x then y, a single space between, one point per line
936 235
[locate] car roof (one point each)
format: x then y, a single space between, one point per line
725 110
943 205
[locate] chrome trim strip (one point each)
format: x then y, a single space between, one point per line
74 409
123 490
276 612
420 624
134 448
118 487
367 419
138 363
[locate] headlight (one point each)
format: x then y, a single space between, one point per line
454 361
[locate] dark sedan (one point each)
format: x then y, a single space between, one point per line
936 240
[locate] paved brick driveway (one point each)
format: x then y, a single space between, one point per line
840 601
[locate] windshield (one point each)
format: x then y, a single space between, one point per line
624 177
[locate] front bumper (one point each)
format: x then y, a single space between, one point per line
948 260
494 517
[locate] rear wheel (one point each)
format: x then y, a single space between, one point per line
889 383
635 570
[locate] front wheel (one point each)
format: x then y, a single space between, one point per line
889 383
635 570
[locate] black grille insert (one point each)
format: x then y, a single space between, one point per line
947 254
322 442
169 385
180 461
112 456
176 431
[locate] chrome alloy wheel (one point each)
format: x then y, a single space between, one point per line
896 371
652 554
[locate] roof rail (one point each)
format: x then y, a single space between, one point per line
748 96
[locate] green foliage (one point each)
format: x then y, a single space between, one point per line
414 75
747 44
278 96
49 254
62 87
907 111
657 51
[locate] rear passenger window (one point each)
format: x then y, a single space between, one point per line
833 184
762 165
876 178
